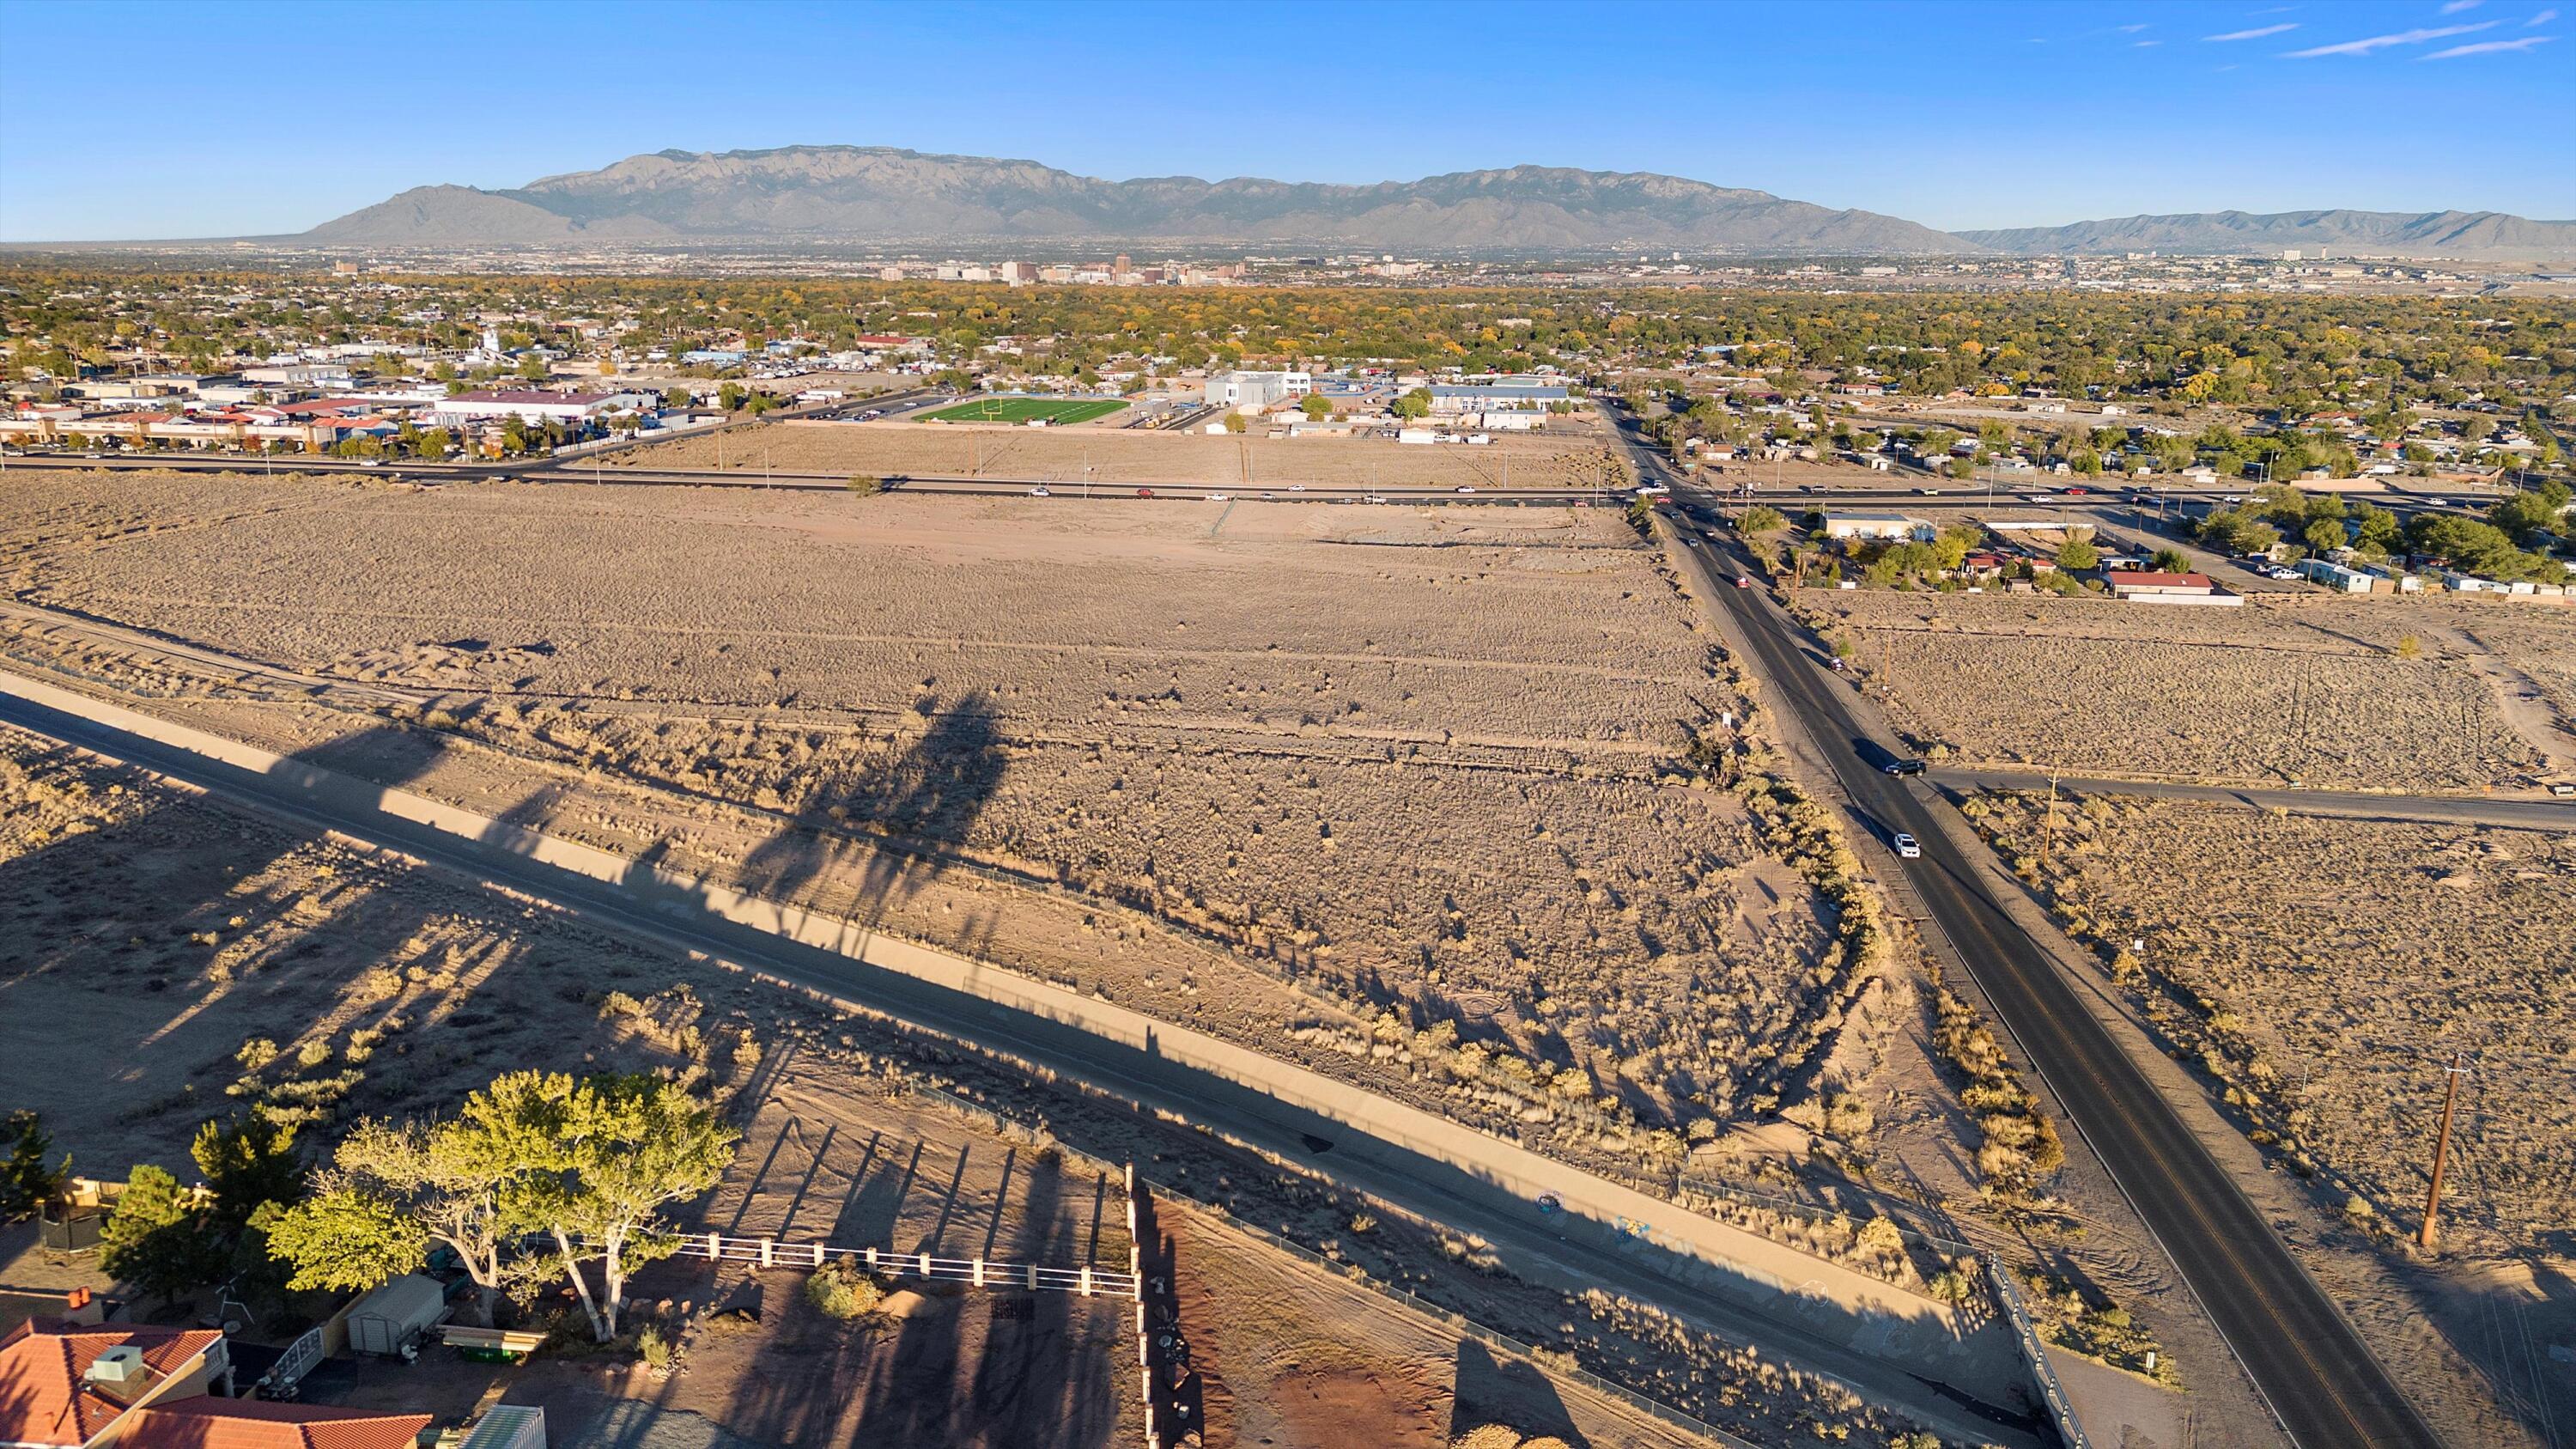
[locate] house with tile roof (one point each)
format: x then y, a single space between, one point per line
67 1385
71 1385
255 1424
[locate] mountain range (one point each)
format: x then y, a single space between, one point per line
825 195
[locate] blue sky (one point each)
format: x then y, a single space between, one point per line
134 120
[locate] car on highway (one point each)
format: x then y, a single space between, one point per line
872 413
1144 492
1808 488
1904 767
1464 488
1296 487
1906 845
1928 492
1217 497
1744 581
1040 492
1375 498
2077 492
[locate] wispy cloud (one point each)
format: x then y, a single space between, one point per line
2491 47
2454 7
2146 44
2367 44
2131 29
2543 18
2256 34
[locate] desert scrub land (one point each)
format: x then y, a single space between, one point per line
1432 765
1571 455
218 960
2321 971
2334 692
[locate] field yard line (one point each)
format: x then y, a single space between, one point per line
1862 1328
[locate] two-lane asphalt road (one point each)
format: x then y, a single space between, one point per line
2305 1359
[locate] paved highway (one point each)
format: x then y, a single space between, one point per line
2305 1359
1424 1164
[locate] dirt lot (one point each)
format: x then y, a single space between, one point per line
1416 760
2400 693
165 933
1571 455
2333 965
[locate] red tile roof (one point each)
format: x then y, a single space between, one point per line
2142 579
43 1399
256 1424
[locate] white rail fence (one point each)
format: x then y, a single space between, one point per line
980 1272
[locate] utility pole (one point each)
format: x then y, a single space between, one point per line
2441 1149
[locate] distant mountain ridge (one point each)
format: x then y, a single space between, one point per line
825 194
2489 235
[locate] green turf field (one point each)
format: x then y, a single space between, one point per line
1058 410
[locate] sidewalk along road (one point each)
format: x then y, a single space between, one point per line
1890 1346
2307 1362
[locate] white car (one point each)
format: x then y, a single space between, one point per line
1907 846
1375 498
1296 487
1040 492
1464 488
1219 498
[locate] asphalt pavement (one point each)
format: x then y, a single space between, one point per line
2304 1358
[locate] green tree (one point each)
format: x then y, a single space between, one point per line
1316 408
248 1161
2170 561
435 444
1761 518
158 1240
2239 532
533 368
1234 422
2323 536
2379 530
2529 514
627 1146
1952 546
730 396
1414 404
2078 554
394 1189
27 1182
675 398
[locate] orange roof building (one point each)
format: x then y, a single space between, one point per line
54 1392
256 1424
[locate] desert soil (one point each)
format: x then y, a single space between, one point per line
1268 769
2429 693
2318 975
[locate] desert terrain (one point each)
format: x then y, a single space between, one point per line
1571 454
1354 785
222 959
2318 975
2401 693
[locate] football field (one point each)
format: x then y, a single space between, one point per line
1058 410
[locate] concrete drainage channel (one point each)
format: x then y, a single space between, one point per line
1883 1343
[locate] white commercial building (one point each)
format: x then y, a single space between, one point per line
1877 525
531 405
1256 391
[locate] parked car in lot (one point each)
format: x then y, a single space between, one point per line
1906 845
